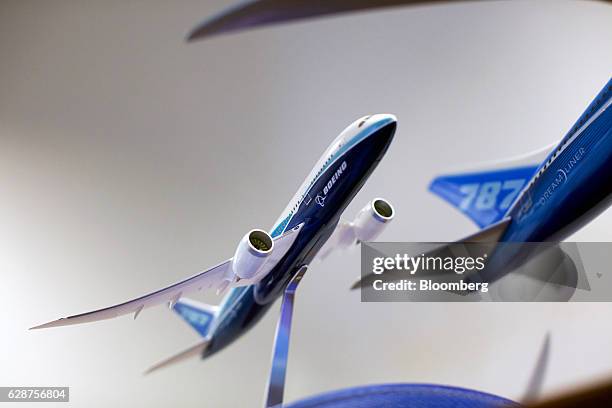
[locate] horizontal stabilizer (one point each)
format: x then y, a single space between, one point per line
193 351
198 315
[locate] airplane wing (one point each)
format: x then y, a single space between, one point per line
487 236
217 276
260 13
366 226
343 237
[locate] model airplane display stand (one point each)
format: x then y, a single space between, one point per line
400 395
280 352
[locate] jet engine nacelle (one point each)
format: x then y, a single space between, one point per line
251 253
372 219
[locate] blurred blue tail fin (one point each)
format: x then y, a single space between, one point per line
483 196
198 315
486 195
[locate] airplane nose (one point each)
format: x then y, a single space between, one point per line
385 125
372 127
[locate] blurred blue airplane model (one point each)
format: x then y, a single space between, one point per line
539 197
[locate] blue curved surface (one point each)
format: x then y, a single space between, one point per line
404 396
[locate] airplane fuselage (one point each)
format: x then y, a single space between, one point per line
572 185
570 188
318 204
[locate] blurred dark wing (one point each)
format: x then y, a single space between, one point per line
257 13
534 387
595 396
487 239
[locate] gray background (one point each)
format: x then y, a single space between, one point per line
129 160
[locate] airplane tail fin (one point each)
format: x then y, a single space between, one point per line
486 194
483 196
199 316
